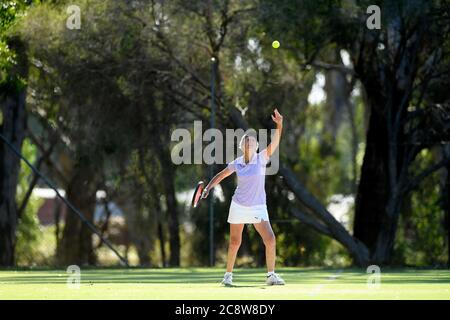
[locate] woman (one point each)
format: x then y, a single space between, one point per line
248 204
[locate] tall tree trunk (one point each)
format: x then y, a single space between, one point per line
384 243
373 193
141 228
154 201
354 146
76 245
168 174
13 129
337 98
143 248
161 243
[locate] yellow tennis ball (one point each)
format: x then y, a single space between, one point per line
275 44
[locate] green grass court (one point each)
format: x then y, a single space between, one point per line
203 283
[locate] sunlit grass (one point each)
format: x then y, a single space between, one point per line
204 283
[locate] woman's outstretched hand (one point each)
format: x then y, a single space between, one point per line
277 117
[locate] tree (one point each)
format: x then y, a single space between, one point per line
137 70
69 97
216 20
13 73
121 96
395 65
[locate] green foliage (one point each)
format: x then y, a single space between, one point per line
421 239
10 12
120 85
30 237
6 60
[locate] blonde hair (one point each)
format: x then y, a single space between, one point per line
248 135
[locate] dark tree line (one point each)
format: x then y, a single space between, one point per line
111 93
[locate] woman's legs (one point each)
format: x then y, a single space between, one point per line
265 230
235 243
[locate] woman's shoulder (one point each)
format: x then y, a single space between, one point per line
239 159
236 160
263 156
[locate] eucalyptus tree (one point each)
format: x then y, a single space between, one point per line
397 63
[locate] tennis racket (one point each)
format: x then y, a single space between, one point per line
198 194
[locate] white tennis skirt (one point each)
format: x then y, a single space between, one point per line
241 214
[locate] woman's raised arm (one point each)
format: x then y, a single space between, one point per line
278 119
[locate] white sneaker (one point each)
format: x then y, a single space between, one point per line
274 280
227 279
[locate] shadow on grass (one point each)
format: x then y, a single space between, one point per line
242 286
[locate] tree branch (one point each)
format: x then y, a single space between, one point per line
329 66
413 183
47 160
307 219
